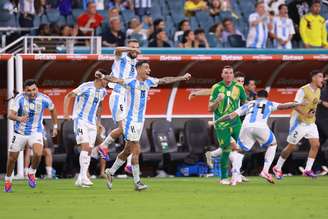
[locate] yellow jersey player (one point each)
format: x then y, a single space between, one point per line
302 124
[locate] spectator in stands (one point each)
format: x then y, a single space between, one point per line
90 20
215 8
44 30
188 39
283 29
200 39
40 8
158 24
113 12
216 30
271 6
183 26
142 8
113 36
54 29
10 6
313 28
137 28
121 5
296 10
250 89
67 31
26 13
65 9
258 27
160 39
229 29
191 6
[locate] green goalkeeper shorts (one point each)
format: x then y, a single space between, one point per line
225 135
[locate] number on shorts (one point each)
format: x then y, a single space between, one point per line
14 139
79 131
133 130
121 107
295 134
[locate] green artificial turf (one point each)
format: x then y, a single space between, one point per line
182 198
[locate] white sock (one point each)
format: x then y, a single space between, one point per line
128 161
108 140
237 162
136 173
216 152
117 164
280 163
232 155
49 171
268 158
25 171
94 153
9 178
309 164
84 164
31 170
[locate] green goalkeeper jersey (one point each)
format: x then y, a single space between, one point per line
233 96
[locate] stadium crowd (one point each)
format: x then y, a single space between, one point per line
185 24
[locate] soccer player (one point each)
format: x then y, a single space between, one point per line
124 66
87 109
225 98
302 124
255 129
27 112
137 94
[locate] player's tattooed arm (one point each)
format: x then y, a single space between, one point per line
227 117
119 50
67 101
170 80
12 115
54 119
213 105
203 92
290 105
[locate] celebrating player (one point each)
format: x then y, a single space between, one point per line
86 111
255 129
225 98
27 112
302 124
137 94
124 66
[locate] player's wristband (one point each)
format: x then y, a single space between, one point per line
55 126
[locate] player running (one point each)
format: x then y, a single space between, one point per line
87 109
137 95
302 124
27 112
225 98
255 129
124 67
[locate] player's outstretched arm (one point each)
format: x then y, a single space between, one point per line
54 119
170 80
227 117
119 50
109 78
67 101
290 105
203 92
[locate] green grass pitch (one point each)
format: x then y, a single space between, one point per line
182 198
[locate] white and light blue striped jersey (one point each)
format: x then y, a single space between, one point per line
257 112
123 68
137 95
87 101
283 27
258 34
34 108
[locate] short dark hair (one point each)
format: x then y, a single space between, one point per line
185 35
140 63
29 82
258 3
199 31
262 93
181 23
248 81
315 2
315 72
159 30
239 74
104 71
227 66
157 21
132 41
227 19
281 5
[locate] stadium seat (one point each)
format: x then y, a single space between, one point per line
236 41
280 128
52 15
163 138
146 150
196 136
76 13
127 15
204 19
5 18
212 41
193 23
